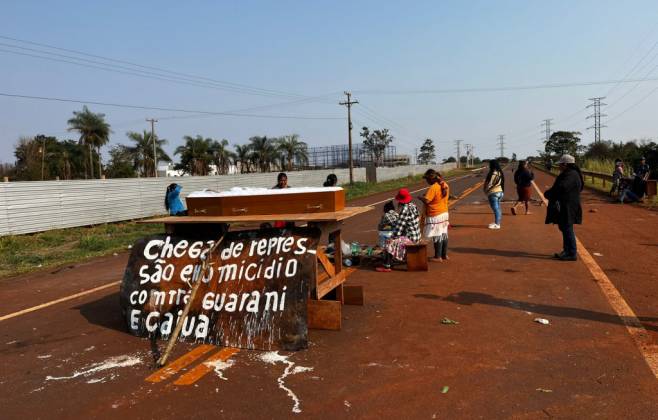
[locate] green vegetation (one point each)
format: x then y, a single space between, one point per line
24 253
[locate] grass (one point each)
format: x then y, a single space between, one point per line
26 253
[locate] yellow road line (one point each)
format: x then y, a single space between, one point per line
633 325
174 367
206 366
56 301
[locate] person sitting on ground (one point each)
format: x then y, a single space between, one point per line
172 201
494 188
406 230
626 193
387 223
617 176
436 214
523 179
641 177
564 205
332 181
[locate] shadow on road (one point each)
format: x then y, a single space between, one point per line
470 298
499 252
104 312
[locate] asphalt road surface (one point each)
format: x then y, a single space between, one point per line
393 358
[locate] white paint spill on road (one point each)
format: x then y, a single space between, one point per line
45 356
111 363
220 366
90 348
273 357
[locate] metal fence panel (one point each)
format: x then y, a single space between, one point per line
35 206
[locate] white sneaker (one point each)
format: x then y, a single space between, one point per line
494 226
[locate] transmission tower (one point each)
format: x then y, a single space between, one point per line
458 144
547 128
469 155
501 144
596 104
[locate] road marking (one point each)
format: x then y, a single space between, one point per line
421 189
174 367
206 366
56 301
633 325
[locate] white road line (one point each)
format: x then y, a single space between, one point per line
633 325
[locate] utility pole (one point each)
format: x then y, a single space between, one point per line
349 104
547 128
155 153
596 104
501 144
458 144
469 155
43 157
416 156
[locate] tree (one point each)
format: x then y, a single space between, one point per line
451 159
221 156
427 152
121 163
375 143
196 155
243 156
293 150
263 152
563 142
94 133
141 153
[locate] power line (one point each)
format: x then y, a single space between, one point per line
228 85
228 114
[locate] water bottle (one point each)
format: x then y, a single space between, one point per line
347 262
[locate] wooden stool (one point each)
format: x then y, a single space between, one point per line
417 257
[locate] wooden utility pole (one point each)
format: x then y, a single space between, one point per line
349 104
155 153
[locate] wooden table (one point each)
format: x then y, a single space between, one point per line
328 292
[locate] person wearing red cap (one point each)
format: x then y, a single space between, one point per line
406 230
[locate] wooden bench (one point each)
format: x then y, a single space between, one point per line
417 257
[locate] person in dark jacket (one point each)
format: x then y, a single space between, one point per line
564 207
523 179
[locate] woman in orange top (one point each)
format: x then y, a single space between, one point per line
436 214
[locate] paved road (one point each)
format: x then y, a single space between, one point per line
393 357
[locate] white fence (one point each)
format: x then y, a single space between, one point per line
35 206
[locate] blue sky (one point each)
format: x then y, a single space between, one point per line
325 47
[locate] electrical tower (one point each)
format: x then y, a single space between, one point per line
155 153
547 128
501 144
469 155
596 104
349 104
458 144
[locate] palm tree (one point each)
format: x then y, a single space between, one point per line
263 152
196 155
243 155
142 152
222 157
293 150
94 132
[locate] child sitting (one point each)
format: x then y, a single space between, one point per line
387 223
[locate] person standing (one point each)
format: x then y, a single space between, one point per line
281 181
523 179
494 188
641 177
436 214
617 176
564 207
406 231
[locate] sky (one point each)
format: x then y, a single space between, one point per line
295 59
